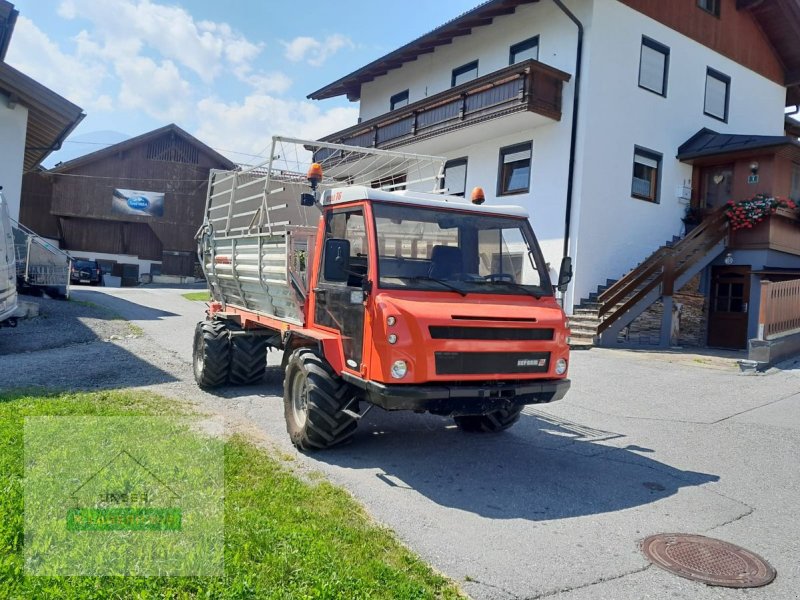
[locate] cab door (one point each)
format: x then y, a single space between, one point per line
339 305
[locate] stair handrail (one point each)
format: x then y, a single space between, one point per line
667 263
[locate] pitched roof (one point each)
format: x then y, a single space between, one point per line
140 139
483 14
8 17
51 118
780 20
710 143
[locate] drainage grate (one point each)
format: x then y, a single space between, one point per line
707 560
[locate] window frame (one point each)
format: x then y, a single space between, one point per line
794 185
455 162
521 47
399 97
652 155
465 68
715 11
505 150
719 76
663 49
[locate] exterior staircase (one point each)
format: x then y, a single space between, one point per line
600 318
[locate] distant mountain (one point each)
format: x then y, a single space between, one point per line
85 143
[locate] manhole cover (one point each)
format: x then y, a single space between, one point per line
710 561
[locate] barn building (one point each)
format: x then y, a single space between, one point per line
134 206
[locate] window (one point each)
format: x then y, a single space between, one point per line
350 225
448 250
463 74
524 50
795 193
653 66
514 175
718 91
710 6
455 177
398 100
646 174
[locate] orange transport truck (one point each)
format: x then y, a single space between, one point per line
375 293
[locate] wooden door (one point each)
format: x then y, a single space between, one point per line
730 297
717 185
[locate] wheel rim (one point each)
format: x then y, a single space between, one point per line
300 399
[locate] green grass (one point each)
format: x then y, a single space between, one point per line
284 537
203 296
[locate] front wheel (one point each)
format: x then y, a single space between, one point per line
313 400
497 420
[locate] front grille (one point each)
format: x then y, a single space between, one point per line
442 332
488 363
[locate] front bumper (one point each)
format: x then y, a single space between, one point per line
467 399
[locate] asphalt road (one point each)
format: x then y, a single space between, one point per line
556 506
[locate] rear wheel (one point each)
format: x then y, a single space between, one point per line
497 420
211 356
313 399
248 359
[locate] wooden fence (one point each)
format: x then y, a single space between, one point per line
779 313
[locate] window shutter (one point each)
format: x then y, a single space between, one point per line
716 92
646 161
651 70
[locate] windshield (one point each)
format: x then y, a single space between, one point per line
473 253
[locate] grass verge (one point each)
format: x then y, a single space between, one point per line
284 538
203 296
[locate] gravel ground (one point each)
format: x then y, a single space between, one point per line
63 323
553 508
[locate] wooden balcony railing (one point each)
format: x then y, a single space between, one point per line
526 86
779 313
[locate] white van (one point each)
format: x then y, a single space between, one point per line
8 268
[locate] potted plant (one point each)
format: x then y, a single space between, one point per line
746 214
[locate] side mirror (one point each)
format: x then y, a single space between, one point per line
336 266
565 274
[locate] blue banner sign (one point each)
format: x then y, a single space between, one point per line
137 202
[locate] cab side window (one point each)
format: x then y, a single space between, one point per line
350 225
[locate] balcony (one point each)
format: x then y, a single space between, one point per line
780 231
528 86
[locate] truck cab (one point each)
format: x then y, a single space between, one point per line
441 305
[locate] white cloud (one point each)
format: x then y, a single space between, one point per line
35 54
204 47
313 51
156 89
249 126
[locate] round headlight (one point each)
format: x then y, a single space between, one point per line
561 366
399 369
391 321
392 338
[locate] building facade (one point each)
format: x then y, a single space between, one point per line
135 207
494 91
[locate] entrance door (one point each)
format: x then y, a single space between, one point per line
717 185
730 295
340 304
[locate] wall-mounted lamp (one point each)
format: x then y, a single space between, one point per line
754 167
729 259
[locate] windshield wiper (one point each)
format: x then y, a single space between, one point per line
517 286
439 281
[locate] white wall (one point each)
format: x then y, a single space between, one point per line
614 231
481 143
13 126
430 73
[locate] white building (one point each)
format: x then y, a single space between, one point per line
494 91
34 120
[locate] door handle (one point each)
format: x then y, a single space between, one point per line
322 295
744 307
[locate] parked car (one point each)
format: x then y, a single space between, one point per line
86 271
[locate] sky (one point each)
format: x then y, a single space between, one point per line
231 73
